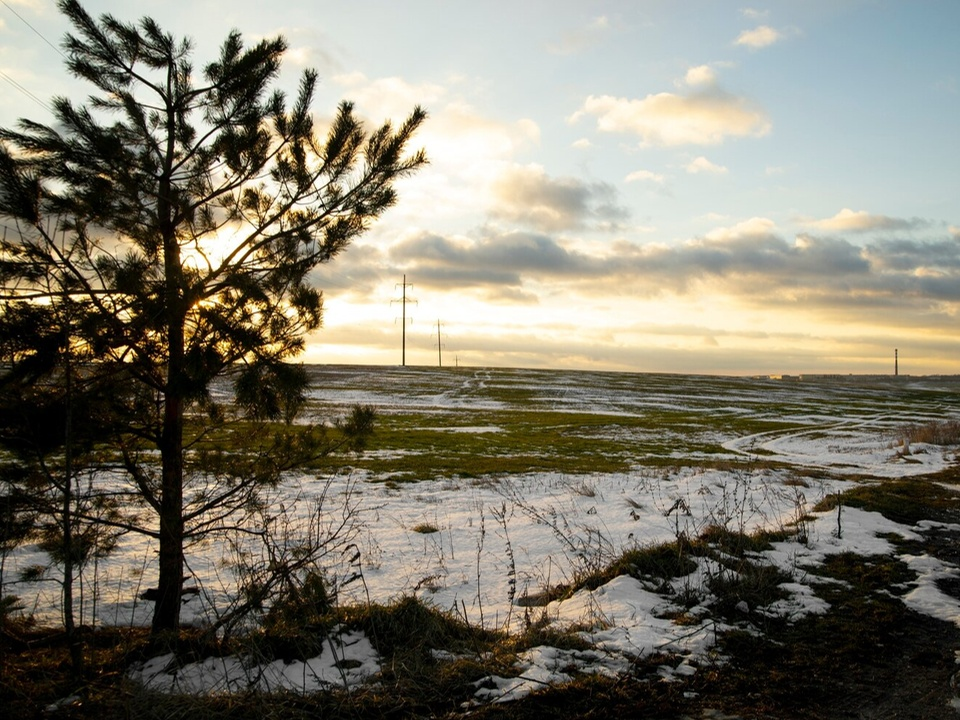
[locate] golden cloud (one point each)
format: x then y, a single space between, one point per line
860 221
705 118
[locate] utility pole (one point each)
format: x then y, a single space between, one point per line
403 300
896 362
439 346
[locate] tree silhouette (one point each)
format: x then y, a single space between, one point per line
180 213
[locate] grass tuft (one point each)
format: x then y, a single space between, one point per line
425 528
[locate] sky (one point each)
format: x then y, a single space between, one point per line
698 186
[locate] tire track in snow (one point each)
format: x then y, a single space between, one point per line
766 443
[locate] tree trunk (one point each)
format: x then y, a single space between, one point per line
69 552
166 614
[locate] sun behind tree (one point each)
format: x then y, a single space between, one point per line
179 215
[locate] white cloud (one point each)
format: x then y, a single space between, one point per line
529 129
955 231
759 37
702 165
582 144
755 227
753 13
703 118
642 175
467 150
390 97
700 75
861 221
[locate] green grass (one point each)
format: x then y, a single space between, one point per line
416 446
549 421
906 500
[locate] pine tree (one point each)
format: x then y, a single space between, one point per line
46 455
180 214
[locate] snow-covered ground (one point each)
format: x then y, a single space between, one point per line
483 547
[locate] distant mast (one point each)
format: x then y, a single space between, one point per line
896 362
403 335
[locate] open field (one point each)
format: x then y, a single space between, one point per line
510 421
647 516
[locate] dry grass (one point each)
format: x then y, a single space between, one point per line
425 528
942 432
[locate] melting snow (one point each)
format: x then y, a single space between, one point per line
499 539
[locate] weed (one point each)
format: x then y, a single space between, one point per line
740 544
425 528
750 585
658 563
585 489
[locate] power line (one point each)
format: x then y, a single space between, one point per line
37 32
26 92
18 86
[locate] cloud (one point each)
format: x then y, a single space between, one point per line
496 261
747 265
702 165
468 152
756 227
955 231
527 195
645 176
930 259
760 37
753 13
706 117
582 144
700 75
388 97
749 261
750 249
848 220
807 284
